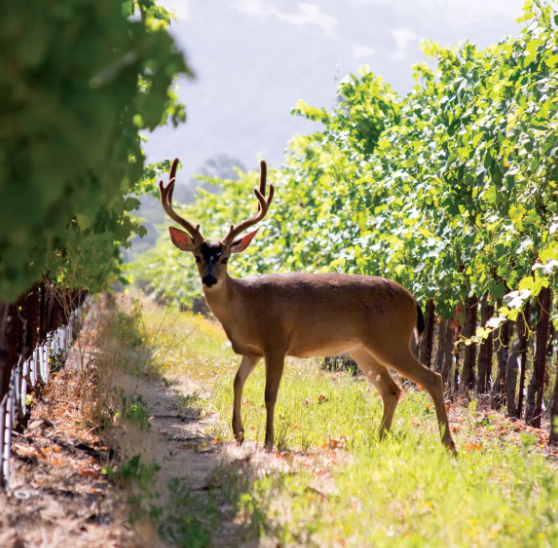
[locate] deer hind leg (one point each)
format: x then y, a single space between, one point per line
379 376
247 365
274 363
403 361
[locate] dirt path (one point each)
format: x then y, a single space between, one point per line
60 497
183 448
186 450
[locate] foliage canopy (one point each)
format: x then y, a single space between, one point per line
450 190
80 81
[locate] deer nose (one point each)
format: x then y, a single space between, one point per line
209 280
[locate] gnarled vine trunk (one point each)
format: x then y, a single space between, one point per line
457 354
485 349
523 333
441 350
511 378
469 328
553 438
427 338
501 343
536 386
448 354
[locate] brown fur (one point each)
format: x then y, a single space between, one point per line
270 310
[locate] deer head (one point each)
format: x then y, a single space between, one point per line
212 258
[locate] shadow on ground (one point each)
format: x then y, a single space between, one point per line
201 480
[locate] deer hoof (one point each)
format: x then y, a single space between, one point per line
451 447
239 437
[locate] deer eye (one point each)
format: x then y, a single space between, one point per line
198 259
225 260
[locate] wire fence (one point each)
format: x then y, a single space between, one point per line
36 334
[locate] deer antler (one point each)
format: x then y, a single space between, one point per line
263 206
166 202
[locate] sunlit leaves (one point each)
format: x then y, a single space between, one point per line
80 79
450 190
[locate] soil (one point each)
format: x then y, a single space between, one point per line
185 450
58 495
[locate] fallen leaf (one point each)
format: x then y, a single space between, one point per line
30 451
322 495
87 472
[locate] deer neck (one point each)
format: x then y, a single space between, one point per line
220 299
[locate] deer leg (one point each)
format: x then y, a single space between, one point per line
247 365
405 363
379 376
274 364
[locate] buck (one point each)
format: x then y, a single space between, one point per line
303 315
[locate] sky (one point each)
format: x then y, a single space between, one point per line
254 59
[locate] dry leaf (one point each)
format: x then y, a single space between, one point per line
88 471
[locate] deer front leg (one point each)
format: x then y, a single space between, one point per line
274 363
247 365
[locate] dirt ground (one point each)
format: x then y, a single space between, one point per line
185 451
60 496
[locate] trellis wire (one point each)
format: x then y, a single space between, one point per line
26 377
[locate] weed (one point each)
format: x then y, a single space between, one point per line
187 405
179 523
137 478
133 471
134 409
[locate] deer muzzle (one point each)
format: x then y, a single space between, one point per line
209 280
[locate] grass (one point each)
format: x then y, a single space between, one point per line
134 409
405 491
334 484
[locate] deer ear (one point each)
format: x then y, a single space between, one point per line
240 244
181 240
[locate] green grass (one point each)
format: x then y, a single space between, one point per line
406 491
134 409
181 341
337 485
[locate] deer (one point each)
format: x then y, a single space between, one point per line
305 315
